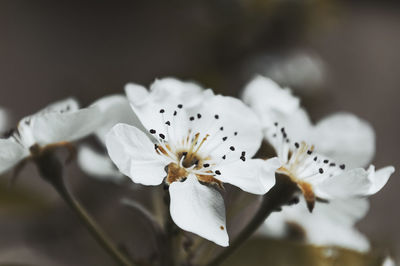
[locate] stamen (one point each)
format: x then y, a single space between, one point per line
152 131
201 143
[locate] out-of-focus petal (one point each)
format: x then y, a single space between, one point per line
389 262
134 155
330 224
199 209
269 100
98 165
11 153
345 137
63 106
53 127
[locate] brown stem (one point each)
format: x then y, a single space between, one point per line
279 195
50 169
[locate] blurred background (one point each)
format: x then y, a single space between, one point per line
337 55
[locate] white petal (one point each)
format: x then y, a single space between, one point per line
114 109
11 153
134 155
254 176
233 116
174 88
98 165
379 178
336 235
297 125
53 127
269 100
165 95
333 224
345 212
346 138
351 183
136 94
199 209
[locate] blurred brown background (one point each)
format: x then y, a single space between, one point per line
54 49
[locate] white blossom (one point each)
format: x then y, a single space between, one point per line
199 141
55 126
319 176
341 136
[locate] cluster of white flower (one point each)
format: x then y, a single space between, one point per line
186 137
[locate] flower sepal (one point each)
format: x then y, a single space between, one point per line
48 164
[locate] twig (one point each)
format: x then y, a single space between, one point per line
279 195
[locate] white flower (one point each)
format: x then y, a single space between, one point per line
198 140
341 136
319 176
52 127
113 109
331 224
116 109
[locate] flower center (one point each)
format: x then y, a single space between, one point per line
299 161
188 143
